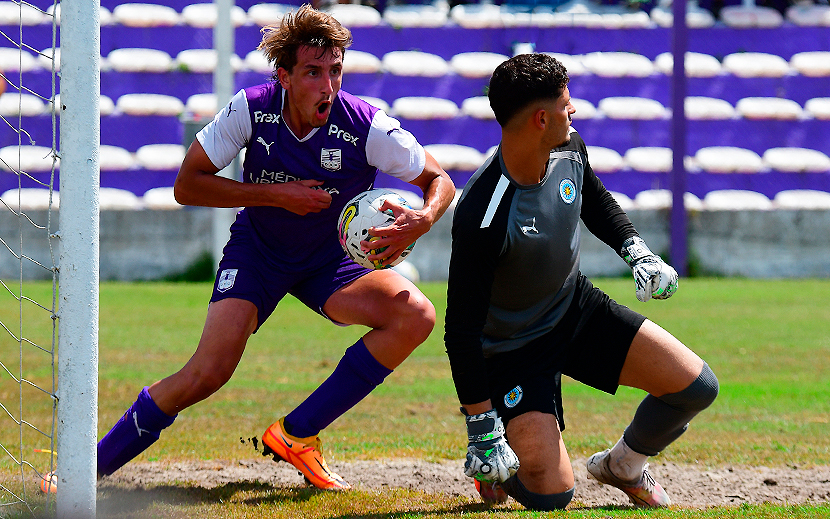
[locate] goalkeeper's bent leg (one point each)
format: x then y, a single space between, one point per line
533 501
132 434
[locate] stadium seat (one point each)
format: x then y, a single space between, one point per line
355 15
627 107
416 15
769 108
478 107
584 109
376 102
105 105
160 156
696 16
257 62
104 14
811 64
796 160
13 104
756 64
728 159
743 16
111 198
204 15
203 61
573 64
477 16
30 159
604 160
13 59
618 64
703 108
160 198
145 15
139 60
625 202
414 63
203 105
114 158
419 107
455 157
49 56
735 200
268 14
818 107
476 64
695 63
16 14
802 199
662 199
809 15
30 198
649 158
360 62
149 104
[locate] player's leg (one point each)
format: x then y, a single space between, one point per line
228 325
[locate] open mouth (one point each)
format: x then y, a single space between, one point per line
323 107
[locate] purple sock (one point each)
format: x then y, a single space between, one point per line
357 374
132 434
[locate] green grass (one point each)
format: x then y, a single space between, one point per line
768 342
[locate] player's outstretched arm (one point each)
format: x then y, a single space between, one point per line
653 277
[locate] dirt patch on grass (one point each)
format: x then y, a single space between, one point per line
688 486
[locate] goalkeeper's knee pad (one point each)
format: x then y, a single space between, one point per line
533 501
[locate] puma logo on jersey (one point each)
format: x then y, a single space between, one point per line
266 144
530 229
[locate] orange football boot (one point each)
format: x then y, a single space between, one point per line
304 453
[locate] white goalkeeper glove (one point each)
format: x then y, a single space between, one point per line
654 278
489 457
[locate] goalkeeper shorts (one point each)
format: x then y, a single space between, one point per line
589 344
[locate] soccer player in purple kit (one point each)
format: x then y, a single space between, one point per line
310 148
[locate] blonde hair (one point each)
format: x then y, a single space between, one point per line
305 27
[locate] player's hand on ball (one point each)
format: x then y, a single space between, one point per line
653 277
489 457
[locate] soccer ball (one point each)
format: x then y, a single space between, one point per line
359 215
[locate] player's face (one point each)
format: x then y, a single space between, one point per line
560 119
311 87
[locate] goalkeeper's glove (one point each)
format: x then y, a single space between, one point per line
489 457
653 276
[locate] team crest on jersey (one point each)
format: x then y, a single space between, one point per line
226 279
513 397
331 159
567 190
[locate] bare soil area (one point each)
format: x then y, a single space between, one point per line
688 485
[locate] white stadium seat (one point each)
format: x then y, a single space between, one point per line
626 107
160 156
743 16
802 199
695 63
111 198
477 107
818 107
145 15
104 14
105 105
13 59
376 102
809 15
268 14
649 158
604 160
415 15
114 158
796 160
257 62
414 63
756 64
477 16
30 198
728 159
30 159
15 14
625 202
476 64
769 108
618 64
572 63
139 60
360 62
204 105
584 109
149 104
49 56
419 107
662 199
202 60
696 16
456 157
703 108
204 15
160 198
355 15
736 200
13 104
812 64
515 16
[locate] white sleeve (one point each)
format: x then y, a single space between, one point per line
394 150
228 132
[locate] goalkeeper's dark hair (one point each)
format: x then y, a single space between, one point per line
523 80
305 27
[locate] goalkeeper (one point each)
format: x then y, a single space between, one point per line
521 314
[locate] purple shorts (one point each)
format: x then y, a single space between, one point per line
246 273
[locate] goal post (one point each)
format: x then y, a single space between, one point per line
77 388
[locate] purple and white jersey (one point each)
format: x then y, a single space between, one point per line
345 154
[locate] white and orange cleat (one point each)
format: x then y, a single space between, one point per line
644 492
304 453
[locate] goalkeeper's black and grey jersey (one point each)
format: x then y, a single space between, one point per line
515 257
